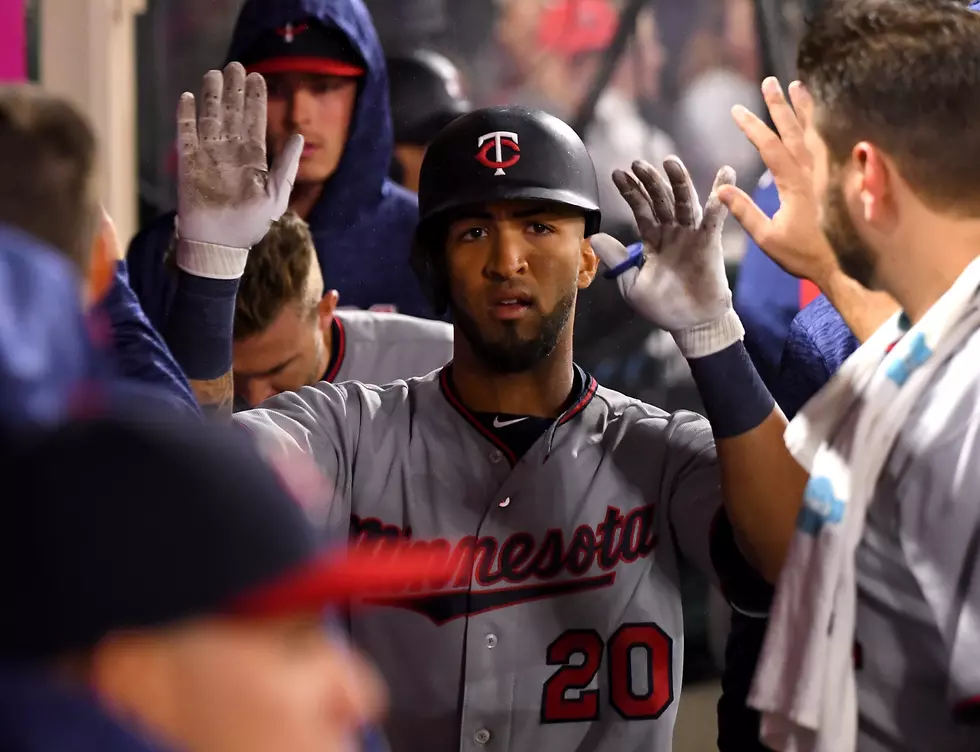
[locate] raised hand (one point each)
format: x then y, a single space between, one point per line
676 277
227 195
793 237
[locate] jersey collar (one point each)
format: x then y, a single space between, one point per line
338 348
586 391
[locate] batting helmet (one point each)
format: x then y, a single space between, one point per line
426 95
494 154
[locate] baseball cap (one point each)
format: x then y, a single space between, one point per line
574 27
306 46
117 523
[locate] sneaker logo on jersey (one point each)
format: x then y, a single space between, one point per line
498 423
820 506
491 575
497 140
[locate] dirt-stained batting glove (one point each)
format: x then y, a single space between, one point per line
227 197
676 276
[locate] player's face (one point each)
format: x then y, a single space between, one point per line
853 255
319 108
515 268
289 354
263 686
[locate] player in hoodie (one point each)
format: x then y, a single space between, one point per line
326 78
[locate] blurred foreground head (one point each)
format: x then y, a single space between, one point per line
165 567
49 154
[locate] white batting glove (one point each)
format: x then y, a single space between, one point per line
227 198
676 277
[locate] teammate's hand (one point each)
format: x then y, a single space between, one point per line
676 278
226 195
793 237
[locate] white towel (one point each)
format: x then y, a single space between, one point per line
804 684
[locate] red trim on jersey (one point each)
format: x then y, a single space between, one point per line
584 400
453 400
808 293
339 347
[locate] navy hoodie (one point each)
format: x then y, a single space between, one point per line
38 715
363 223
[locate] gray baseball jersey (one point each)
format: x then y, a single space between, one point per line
562 629
918 576
377 348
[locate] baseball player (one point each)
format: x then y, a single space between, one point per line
565 506
289 334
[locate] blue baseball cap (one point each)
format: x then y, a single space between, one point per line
116 522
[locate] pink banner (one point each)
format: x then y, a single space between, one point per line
13 42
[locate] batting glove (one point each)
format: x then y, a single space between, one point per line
227 197
675 277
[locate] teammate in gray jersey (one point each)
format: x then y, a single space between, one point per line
567 506
289 333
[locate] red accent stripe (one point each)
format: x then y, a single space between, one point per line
580 405
470 418
341 345
808 292
319 65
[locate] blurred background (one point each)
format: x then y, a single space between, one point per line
637 78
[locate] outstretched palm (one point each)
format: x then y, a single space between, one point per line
681 282
227 195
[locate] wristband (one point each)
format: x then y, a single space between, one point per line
210 260
734 397
201 325
706 339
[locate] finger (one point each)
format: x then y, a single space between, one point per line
715 210
186 125
283 172
659 189
785 120
233 101
256 112
802 103
752 219
209 125
639 202
686 206
786 172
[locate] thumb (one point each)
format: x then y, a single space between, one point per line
609 250
753 220
283 172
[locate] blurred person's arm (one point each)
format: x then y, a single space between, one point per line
138 351
792 237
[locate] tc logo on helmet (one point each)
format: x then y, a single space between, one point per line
498 140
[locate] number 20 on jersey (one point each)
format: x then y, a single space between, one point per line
650 703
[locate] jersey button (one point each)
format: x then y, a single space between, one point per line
496 456
504 503
482 736
491 641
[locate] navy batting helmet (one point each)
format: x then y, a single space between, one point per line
494 154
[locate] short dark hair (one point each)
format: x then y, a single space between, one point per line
277 274
48 152
904 75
